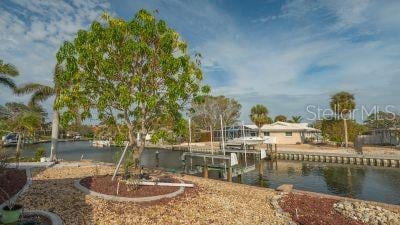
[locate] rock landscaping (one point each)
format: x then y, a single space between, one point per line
367 213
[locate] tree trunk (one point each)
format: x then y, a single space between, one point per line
18 150
54 135
138 152
346 138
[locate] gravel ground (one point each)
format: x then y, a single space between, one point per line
214 202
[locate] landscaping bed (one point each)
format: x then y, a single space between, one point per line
104 185
314 210
11 181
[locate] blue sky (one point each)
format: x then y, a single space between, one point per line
283 54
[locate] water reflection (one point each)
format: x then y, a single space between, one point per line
344 181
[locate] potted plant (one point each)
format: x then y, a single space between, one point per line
11 212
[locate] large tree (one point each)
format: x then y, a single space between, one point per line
259 116
343 103
41 93
139 70
7 71
206 114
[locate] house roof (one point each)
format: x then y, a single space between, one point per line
284 126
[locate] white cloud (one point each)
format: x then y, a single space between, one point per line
32 31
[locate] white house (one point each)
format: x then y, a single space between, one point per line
290 133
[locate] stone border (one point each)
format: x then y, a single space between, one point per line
279 211
126 199
23 189
391 207
54 218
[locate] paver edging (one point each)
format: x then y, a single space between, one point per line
127 199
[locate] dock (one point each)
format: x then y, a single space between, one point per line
228 168
357 159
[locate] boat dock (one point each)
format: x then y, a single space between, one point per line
357 159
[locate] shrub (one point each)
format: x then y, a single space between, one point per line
40 152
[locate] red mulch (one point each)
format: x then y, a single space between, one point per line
104 185
314 210
11 181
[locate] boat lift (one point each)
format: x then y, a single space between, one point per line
228 164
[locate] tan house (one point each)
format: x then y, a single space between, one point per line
290 133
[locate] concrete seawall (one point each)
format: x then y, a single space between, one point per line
340 158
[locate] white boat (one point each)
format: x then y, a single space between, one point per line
100 143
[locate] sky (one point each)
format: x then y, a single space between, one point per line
287 55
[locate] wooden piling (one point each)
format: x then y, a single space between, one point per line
230 173
205 169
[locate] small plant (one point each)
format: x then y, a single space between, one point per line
96 171
40 152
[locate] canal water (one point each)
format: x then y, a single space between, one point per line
362 182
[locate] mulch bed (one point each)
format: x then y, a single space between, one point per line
104 185
314 210
11 181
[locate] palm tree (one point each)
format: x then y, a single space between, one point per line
259 116
280 118
6 72
41 93
343 103
296 119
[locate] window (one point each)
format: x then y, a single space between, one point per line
288 134
266 133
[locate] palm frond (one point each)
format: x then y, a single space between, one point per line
41 95
6 81
8 69
29 88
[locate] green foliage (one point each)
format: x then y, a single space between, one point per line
207 112
333 129
296 119
6 72
39 153
280 118
382 120
135 72
40 93
20 118
259 115
342 103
